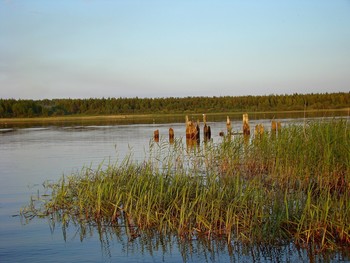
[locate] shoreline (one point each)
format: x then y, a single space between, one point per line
73 118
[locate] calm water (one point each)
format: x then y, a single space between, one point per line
31 156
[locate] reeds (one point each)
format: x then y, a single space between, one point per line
276 189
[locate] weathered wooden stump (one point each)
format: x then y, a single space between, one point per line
197 132
206 129
156 135
171 135
204 119
207 133
191 129
192 132
275 127
246 128
228 126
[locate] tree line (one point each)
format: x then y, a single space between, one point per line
12 108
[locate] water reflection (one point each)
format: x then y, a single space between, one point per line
31 155
5 130
164 119
168 245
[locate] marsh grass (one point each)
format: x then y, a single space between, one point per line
294 187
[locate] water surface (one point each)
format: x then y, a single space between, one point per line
30 156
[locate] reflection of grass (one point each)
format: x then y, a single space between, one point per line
293 186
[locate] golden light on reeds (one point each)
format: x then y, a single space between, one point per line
295 187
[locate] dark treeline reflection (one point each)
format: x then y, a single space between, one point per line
10 108
163 119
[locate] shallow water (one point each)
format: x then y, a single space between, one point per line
32 155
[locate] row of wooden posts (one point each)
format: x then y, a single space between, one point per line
193 130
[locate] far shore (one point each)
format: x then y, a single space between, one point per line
70 118
74 118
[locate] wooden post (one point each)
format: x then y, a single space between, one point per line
171 135
207 132
191 129
228 126
275 127
156 135
188 128
197 132
206 129
204 119
192 132
246 128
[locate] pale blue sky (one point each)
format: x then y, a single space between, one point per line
163 48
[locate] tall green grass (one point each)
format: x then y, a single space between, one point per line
276 189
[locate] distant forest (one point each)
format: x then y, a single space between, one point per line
11 108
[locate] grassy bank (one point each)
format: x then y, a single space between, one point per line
294 186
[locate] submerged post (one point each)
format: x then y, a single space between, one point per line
197 131
188 128
228 126
206 132
191 129
206 129
171 135
275 127
192 132
156 135
246 128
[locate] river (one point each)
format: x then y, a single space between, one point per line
30 156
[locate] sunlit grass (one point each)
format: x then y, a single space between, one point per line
291 187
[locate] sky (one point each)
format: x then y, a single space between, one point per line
172 48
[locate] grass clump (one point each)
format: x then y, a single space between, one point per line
275 189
